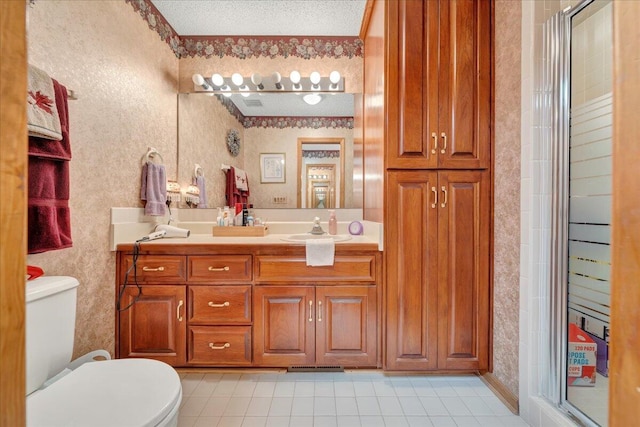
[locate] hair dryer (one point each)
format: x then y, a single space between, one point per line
171 231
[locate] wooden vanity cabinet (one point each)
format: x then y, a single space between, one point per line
214 306
154 324
323 316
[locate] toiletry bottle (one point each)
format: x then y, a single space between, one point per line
219 221
225 216
245 215
333 223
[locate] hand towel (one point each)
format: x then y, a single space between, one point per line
203 191
242 182
49 216
232 193
153 189
43 119
320 251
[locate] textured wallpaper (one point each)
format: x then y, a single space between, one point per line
506 294
125 78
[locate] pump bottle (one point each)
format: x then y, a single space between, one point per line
333 223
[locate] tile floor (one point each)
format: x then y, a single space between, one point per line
351 398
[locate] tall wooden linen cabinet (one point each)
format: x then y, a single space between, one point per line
429 63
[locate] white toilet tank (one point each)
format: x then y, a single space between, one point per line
50 327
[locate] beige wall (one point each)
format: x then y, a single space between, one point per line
506 193
126 80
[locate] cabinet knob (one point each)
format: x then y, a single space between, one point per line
213 304
225 268
145 268
213 346
435 197
310 311
444 146
319 311
444 190
178 315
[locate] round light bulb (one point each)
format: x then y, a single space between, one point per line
256 79
237 79
294 77
217 80
315 77
334 77
198 79
277 78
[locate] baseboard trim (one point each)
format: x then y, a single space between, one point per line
502 392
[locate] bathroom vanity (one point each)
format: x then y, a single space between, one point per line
213 303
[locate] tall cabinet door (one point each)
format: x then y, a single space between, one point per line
412 86
155 324
284 325
346 320
463 131
463 266
412 270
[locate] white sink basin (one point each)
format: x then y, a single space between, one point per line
307 236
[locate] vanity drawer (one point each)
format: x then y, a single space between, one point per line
220 268
294 269
219 345
219 304
156 269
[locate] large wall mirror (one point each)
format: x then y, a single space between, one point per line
273 123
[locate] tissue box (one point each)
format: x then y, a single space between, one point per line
582 356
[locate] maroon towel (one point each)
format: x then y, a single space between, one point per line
49 219
233 195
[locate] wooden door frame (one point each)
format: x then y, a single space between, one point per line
303 140
13 218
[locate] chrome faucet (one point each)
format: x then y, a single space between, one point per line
317 229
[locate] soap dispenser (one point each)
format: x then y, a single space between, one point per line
333 223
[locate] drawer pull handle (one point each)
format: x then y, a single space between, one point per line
319 311
213 304
434 150
435 197
212 346
444 138
180 304
225 268
444 190
153 269
310 311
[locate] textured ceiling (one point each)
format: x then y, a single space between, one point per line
263 17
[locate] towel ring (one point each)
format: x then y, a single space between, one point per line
151 154
198 171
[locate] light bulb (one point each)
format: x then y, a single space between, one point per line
237 79
217 80
256 79
334 78
198 80
294 77
277 78
312 98
315 77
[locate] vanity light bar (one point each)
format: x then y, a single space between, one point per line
273 83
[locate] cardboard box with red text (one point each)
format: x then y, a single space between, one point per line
582 356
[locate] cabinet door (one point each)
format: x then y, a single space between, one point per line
464 84
155 325
412 270
463 266
346 326
412 107
284 325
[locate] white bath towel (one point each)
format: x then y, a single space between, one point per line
320 251
43 120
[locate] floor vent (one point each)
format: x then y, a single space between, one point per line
327 368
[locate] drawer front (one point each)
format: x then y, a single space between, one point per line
220 268
346 269
220 304
156 269
219 345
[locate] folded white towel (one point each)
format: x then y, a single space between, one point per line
320 251
242 181
43 120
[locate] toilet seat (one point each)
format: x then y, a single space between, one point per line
123 392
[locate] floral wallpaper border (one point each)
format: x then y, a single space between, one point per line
285 122
244 47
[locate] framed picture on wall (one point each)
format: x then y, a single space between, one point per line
272 168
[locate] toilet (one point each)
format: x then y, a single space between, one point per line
107 393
